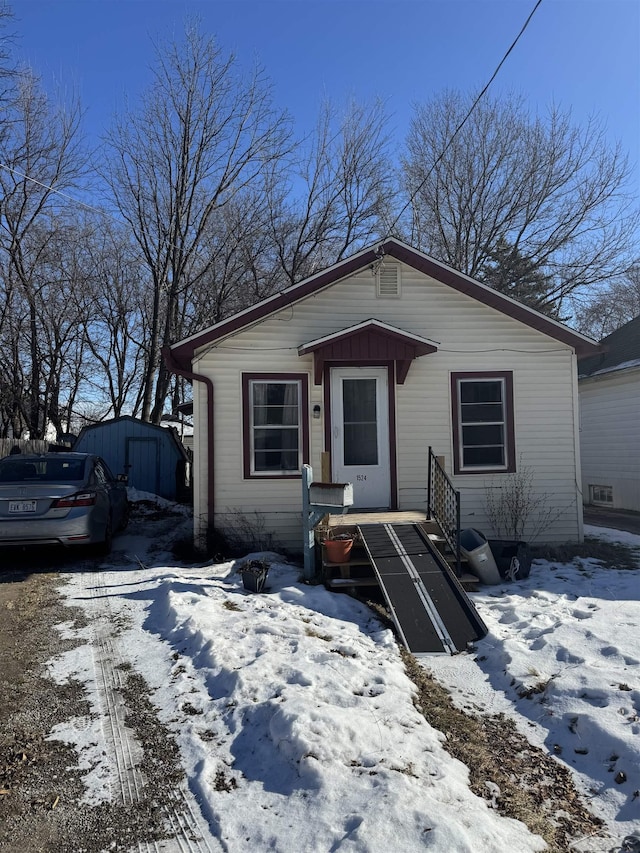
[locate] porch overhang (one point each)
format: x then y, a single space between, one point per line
369 342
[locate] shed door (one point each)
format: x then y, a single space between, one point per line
143 464
360 434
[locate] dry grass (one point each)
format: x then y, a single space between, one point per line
311 632
533 787
612 555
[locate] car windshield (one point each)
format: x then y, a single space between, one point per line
14 470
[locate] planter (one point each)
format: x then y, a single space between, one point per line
338 550
254 576
513 558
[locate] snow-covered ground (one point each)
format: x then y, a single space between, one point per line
562 658
295 719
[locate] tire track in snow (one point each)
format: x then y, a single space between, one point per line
183 816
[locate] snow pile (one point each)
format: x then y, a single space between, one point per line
562 658
300 723
295 718
294 715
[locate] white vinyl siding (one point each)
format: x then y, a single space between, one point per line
609 419
471 337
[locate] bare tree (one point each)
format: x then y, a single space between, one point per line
8 70
336 191
552 192
112 304
610 307
243 262
201 136
12 376
41 330
326 198
41 155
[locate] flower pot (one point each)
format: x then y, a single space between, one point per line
254 578
254 582
338 550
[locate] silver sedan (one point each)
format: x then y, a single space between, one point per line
60 498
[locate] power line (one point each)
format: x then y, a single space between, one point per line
465 119
50 188
101 211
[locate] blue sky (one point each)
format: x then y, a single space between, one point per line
581 54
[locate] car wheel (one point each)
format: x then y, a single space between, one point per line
124 522
105 546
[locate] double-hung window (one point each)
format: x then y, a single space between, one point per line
275 414
483 434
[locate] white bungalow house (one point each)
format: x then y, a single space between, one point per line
609 389
359 370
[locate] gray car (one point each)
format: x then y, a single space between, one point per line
60 498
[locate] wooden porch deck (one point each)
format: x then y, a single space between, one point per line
358 571
387 516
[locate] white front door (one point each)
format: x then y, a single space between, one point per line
360 434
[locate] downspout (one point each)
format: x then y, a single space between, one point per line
174 367
575 393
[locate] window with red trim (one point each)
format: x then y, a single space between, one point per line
275 424
483 432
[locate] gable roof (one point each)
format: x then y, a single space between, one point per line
620 349
169 431
369 339
183 351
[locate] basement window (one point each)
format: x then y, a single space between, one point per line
602 495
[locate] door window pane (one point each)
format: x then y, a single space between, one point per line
359 407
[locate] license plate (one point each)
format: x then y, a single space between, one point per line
22 506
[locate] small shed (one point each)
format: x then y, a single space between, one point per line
152 457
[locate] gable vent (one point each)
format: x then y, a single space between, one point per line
388 280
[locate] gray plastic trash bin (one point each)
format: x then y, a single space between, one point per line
475 547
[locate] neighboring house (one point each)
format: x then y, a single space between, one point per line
151 456
609 389
361 368
183 428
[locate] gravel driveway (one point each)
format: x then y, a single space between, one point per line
43 804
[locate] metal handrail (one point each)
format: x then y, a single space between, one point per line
443 505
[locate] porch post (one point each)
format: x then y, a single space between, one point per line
308 524
313 513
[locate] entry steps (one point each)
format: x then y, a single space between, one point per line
357 570
431 610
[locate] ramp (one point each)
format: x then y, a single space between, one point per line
432 613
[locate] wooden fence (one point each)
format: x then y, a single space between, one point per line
36 445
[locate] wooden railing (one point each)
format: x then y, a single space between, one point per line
443 506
